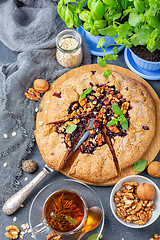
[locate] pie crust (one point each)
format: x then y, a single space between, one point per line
107 161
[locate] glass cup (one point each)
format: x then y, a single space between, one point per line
69 50
59 213
36 212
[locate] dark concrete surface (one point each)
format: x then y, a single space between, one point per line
113 230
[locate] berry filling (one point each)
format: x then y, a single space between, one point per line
97 102
94 140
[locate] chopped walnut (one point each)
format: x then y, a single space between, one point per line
125 107
54 129
83 102
113 128
67 140
76 121
73 114
91 97
32 94
118 95
12 232
54 236
155 237
62 128
129 207
100 139
75 105
79 110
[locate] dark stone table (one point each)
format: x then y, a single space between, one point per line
113 230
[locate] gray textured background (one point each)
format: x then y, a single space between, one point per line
113 230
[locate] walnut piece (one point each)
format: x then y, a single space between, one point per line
32 94
67 140
155 237
12 232
100 139
54 236
125 107
129 207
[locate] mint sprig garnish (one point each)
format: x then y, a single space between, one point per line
85 92
71 128
117 110
140 165
93 237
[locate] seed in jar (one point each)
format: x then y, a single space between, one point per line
73 57
68 43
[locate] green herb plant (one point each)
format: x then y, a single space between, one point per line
97 16
142 26
117 110
140 165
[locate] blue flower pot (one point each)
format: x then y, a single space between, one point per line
93 40
147 65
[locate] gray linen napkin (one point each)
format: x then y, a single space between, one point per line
28 27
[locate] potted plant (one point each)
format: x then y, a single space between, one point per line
140 33
94 19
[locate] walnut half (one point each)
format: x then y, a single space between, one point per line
32 94
12 232
54 236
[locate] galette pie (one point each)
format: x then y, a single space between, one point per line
123 113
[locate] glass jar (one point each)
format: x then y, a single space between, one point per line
69 50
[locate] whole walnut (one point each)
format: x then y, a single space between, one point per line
29 166
41 85
146 191
154 169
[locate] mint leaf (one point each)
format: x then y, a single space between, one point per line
107 73
100 23
61 11
87 91
71 128
82 96
115 57
121 118
115 50
85 15
69 18
124 123
153 22
135 19
97 10
93 237
140 165
139 5
112 122
76 21
71 220
108 57
101 42
67 1
101 62
109 31
112 3
117 110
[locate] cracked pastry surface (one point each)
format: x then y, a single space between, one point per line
62 104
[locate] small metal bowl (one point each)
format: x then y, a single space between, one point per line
139 179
